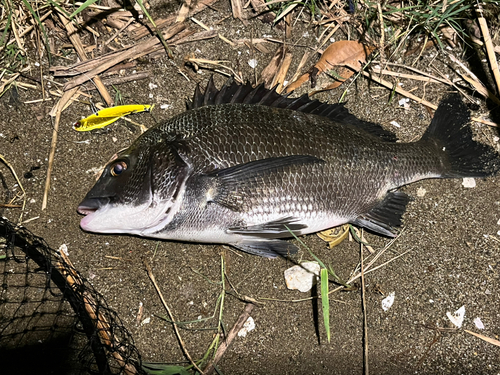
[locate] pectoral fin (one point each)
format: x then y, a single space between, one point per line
234 185
280 228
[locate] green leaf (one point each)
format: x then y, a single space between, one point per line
325 302
82 7
164 369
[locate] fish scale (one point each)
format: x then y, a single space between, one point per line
248 167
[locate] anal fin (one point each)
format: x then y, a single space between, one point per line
266 248
386 217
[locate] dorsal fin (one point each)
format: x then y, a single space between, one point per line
233 92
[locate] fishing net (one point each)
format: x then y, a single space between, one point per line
52 321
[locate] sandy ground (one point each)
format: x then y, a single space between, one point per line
450 239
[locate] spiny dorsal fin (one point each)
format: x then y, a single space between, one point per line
233 92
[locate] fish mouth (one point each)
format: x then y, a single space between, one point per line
91 205
84 210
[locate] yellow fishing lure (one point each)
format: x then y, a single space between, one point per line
109 115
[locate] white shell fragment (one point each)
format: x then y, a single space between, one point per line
395 124
404 103
64 249
302 277
457 318
252 63
248 326
388 301
469 182
479 324
421 192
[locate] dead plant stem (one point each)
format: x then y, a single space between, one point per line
489 45
365 324
176 329
18 182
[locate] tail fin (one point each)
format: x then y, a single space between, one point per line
450 131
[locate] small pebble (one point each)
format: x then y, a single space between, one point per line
388 301
469 182
302 277
247 327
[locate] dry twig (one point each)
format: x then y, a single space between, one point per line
408 94
2 158
489 45
483 337
365 324
58 108
77 43
229 339
176 329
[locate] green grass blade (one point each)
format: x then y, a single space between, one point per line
163 369
158 32
82 7
7 26
325 301
59 7
40 25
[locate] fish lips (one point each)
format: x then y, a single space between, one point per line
89 207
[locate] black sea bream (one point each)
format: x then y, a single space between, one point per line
245 166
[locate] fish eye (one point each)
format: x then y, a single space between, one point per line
117 168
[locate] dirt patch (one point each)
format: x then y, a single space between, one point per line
451 240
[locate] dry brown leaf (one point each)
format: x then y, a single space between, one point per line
270 72
342 57
280 76
299 82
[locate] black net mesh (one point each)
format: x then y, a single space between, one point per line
52 321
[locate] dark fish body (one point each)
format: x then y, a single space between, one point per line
246 167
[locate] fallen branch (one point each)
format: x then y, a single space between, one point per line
103 328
